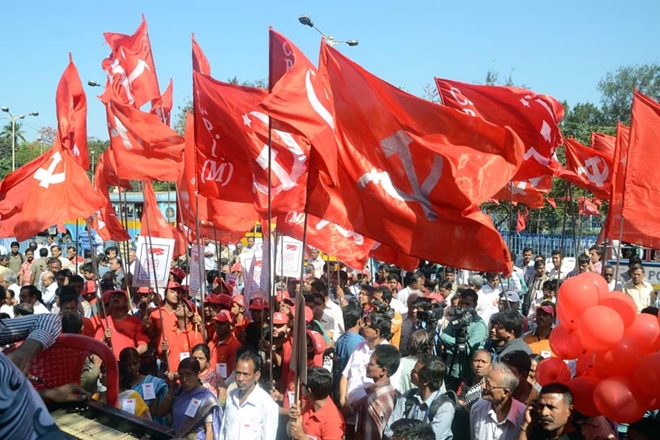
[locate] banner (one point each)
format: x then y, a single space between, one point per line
290 252
161 249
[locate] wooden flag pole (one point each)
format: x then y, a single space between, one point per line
300 333
99 295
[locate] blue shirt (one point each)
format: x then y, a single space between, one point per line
345 346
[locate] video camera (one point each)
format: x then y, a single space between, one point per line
382 307
460 319
429 313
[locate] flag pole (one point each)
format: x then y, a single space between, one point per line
98 284
573 221
269 287
201 256
153 269
299 333
618 252
511 218
78 246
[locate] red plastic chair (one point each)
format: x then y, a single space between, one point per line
62 363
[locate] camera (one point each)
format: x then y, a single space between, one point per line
429 314
382 307
460 318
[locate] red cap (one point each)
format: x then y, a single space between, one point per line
258 304
109 293
280 318
188 303
236 268
90 286
145 290
282 295
547 309
309 315
173 285
239 299
178 273
319 341
436 296
223 316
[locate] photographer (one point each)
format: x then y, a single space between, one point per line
465 333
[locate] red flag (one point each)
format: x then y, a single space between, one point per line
200 63
612 227
533 117
58 189
220 220
301 98
588 168
385 253
528 192
231 130
587 207
144 147
641 218
423 178
162 107
105 221
551 202
154 224
71 104
132 65
521 223
603 143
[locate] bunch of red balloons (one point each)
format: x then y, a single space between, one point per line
615 349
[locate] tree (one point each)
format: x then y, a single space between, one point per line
583 119
617 88
17 130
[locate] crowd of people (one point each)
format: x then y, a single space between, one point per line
437 353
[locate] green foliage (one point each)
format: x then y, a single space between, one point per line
617 88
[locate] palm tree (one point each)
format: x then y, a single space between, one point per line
19 133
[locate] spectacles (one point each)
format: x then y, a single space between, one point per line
609 274
489 387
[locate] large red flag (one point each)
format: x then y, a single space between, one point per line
301 98
220 220
144 147
603 143
385 253
641 187
131 63
200 62
51 189
71 104
105 221
533 117
612 228
231 131
155 224
424 177
588 168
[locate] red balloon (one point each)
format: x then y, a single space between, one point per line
620 399
654 404
647 374
620 360
582 389
584 366
552 370
598 281
565 344
645 330
600 328
567 318
622 304
577 295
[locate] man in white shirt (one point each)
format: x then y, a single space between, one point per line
250 412
49 288
209 255
527 262
557 272
316 262
31 295
414 286
612 284
488 301
497 415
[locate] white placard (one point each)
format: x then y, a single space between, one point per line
148 391
194 286
193 406
290 257
221 370
161 249
128 405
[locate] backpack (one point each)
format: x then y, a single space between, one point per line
460 425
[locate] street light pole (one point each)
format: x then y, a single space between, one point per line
306 20
13 119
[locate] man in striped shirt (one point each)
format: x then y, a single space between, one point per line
381 396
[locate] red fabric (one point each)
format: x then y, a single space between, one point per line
105 221
157 224
348 246
219 219
180 342
144 147
385 253
58 189
231 133
200 62
132 65
603 143
588 168
162 107
612 228
528 192
641 186
301 98
125 333
587 207
224 352
401 195
533 117
551 202
71 104
521 222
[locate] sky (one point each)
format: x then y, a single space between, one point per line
561 48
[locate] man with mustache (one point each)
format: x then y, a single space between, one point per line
550 417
